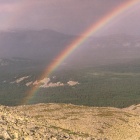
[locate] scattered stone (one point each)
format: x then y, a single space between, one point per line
69 122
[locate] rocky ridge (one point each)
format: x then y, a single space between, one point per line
69 122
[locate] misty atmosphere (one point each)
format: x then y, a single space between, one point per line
29 43
73 56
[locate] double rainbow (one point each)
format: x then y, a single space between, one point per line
78 41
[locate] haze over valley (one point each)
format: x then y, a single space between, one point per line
69 70
110 61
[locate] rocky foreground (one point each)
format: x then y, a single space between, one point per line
69 122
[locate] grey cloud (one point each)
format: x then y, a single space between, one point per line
68 16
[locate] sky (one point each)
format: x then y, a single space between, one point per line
67 16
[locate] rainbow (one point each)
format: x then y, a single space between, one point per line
78 41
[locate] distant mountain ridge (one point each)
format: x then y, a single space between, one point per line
33 44
13 61
45 45
107 50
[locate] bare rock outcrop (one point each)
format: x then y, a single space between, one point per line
69 122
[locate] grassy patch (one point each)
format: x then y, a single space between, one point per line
105 114
122 119
70 132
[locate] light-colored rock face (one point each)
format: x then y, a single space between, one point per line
43 83
69 122
72 83
29 83
20 79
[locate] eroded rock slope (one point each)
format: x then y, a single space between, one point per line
69 122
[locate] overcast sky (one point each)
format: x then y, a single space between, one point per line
67 16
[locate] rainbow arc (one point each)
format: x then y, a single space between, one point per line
80 40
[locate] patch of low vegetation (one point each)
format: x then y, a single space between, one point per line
39 116
75 119
128 114
100 131
105 114
70 132
124 120
107 125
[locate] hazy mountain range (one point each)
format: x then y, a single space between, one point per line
45 45
32 44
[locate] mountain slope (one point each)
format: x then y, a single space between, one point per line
66 121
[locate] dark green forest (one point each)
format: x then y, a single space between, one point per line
114 85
